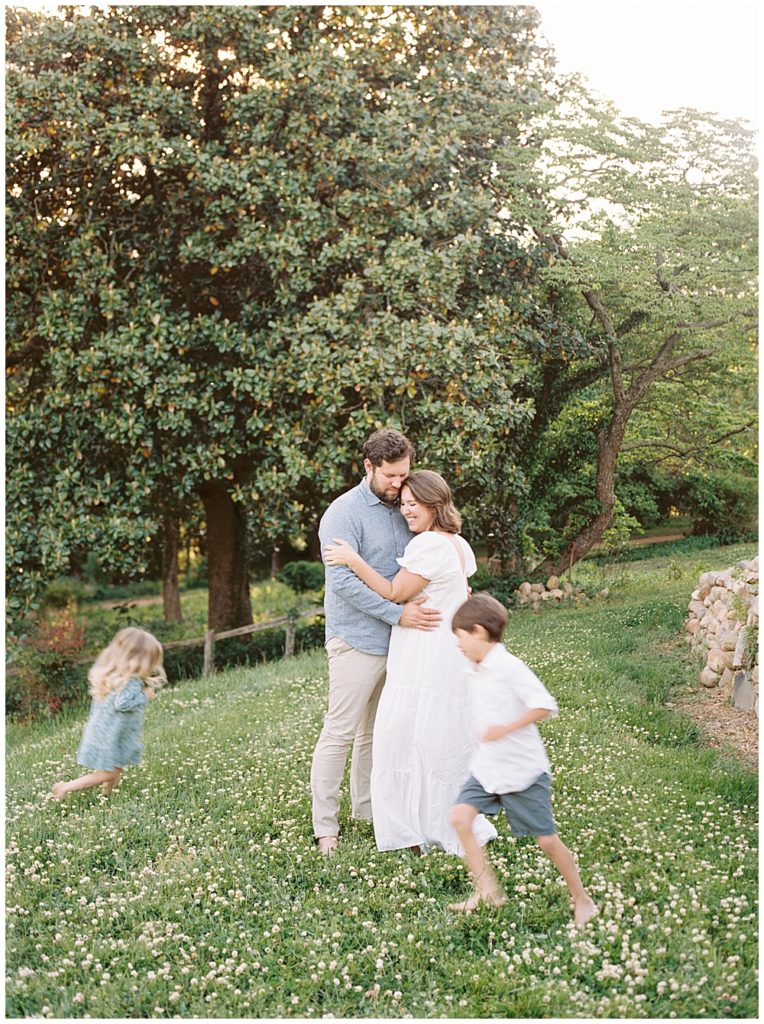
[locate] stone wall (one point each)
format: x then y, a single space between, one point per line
723 625
535 594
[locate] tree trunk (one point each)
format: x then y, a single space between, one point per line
170 588
77 564
227 575
609 443
507 562
314 545
277 558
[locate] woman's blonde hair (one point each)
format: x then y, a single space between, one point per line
432 491
133 653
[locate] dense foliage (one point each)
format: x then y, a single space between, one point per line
240 238
302 576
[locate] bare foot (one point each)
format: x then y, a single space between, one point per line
417 851
584 911
491 899
59 791
327 845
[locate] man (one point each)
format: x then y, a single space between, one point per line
358 624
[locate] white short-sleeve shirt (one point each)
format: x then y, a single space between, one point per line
434 555
503 689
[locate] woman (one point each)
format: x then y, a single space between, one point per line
422 739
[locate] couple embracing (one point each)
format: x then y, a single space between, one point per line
396 572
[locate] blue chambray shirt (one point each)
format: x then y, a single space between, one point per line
380 534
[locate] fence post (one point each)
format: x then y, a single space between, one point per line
209 652
289 639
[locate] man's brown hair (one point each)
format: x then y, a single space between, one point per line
481 610
387 445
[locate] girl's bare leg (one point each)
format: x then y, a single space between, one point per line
101 777
584 907
107 787
487 888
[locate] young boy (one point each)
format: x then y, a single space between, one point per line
509 768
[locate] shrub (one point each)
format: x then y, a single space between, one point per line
196 574
65 592
47 675
720 503
616 539
91 570
482 578
124 591
183 663
646 492
502 586
302 576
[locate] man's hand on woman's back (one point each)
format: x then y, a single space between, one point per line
416 616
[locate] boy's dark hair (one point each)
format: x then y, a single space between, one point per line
387 445
481 610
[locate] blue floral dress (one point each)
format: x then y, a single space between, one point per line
112 736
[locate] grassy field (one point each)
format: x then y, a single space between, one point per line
195 890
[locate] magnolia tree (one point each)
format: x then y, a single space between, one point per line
241 238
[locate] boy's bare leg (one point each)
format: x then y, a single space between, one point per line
101 777
487 888
584 907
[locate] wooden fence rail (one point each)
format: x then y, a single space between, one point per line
288 621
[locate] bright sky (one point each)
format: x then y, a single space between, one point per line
655 56
651 57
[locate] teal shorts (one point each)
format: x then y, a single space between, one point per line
529 812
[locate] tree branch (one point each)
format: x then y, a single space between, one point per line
616 369
27 351
657 368
685 452
702 353
701 325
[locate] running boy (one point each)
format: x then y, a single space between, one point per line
509 767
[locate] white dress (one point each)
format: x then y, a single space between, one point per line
422 735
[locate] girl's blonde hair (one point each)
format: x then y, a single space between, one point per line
432 491
133 653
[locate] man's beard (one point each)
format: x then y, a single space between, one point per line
383 497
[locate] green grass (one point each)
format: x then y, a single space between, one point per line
195 889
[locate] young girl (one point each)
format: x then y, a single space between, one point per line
122 682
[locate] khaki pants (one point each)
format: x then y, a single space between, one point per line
355 684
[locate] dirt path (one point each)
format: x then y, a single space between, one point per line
654 538
112 602
640 542
727 729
